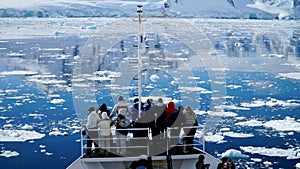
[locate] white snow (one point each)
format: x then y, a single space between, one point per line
282 11
19 135
119 8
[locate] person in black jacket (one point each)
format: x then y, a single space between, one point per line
223 164
122 123
200 163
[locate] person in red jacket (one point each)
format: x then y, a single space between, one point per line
169 110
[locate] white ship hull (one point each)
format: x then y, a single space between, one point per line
178 162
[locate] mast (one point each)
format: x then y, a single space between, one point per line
139 11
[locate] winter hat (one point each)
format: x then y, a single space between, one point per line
104 116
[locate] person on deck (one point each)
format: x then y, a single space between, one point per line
223 164
176 122
91 128
169 110
134 109
190 121
149 104
159 113
105 133
122 123
121 108
103 108
200 163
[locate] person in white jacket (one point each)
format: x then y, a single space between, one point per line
121 107
91 127
105 133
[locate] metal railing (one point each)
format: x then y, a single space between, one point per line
173 137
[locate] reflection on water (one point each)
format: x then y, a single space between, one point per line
230 39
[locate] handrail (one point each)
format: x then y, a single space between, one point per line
170 140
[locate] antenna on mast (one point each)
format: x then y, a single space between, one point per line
139 11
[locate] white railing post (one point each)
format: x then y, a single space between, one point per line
81 142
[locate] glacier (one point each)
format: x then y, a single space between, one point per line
246 9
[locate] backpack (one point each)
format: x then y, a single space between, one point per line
124 123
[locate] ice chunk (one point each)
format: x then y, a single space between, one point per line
238 135
19 135
18 72
8 153
232 153
251 123
57 101
288 124
273 152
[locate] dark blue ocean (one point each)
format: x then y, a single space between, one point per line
40 86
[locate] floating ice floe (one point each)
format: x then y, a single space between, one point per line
27 127
18 72
271 102
48 154
251 123
216 138
19 135
238 135
232 153
231 107
255 103
298 166
57 101
267 163
42 146
234 86
288 124
273 152
3 117
256 159
195 89
154 78
222 114
290 75
8 153
36 116
56 132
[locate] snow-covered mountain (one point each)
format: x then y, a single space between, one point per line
261 9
